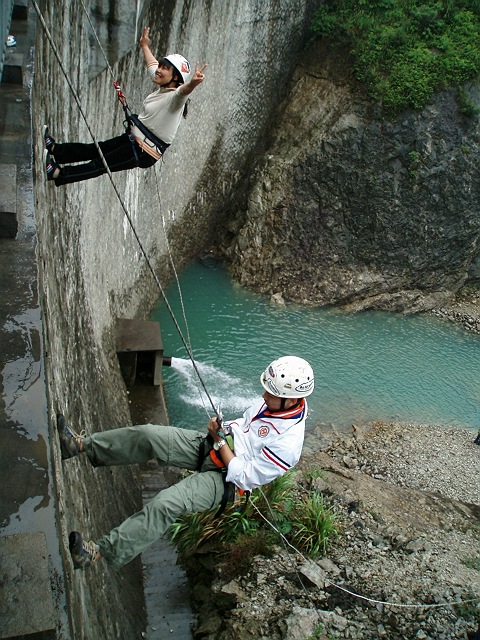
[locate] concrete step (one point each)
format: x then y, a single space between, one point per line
24 582
8 201
13 68
167 592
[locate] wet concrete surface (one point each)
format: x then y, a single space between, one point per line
27 498
167 591
27 502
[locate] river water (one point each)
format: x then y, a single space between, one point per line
368 366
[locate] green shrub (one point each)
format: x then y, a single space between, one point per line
471 563
465 104
300 515
405 50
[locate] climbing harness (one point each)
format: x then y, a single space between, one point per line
207 450
133 119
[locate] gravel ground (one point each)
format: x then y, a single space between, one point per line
406 499
444 461
437 560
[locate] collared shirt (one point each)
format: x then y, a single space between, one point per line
267 444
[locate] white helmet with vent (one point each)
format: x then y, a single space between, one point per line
288 377
181 65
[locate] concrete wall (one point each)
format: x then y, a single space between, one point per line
5 20
90 265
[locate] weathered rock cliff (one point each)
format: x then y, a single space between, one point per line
349 206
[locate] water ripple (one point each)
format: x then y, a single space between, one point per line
368 366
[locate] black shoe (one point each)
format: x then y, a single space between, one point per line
50 166
83 553
49 141
69 440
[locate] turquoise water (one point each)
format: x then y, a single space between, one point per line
368 366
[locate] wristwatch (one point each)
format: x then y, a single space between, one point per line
218 445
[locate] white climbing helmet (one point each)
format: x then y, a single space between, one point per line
288 377
180 63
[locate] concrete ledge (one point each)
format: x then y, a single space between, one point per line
8 201
20 10
24 583
139 349
13 69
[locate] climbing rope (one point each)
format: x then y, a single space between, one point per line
286 544
98 40
180 295
125 210
123 101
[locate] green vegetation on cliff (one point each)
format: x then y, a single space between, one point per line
405 50
292 505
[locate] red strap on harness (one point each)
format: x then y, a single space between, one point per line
121 96
216 459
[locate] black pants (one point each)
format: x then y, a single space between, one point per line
118 152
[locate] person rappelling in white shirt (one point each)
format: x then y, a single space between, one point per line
242 454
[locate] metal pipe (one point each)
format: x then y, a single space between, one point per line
167 361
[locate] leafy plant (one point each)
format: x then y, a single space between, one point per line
319 634
467 609
313 525
242 552
472 563
414 162
244 531
404 50
465 104
311 473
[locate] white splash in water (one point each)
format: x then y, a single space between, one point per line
231 394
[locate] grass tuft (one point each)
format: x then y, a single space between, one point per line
301 515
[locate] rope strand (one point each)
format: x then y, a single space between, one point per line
337 586
180 294
125 210
98 40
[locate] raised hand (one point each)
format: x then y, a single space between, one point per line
145 38
198 75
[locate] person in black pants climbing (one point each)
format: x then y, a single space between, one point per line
146 141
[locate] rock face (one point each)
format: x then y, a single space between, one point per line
349 206
406 499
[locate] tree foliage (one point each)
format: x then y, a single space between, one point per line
404 50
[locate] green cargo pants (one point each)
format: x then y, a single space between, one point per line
170 446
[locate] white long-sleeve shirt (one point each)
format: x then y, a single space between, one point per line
266 444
